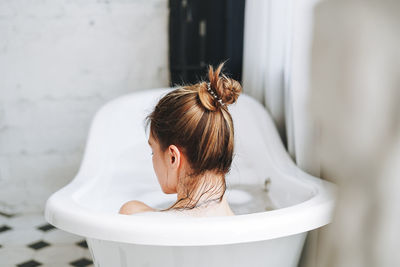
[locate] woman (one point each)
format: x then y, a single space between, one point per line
192 140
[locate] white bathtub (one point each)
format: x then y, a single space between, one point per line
271 224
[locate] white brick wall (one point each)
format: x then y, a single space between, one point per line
59 62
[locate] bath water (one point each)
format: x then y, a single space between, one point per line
246 199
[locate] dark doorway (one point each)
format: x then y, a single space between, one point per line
203 32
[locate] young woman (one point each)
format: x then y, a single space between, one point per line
192 138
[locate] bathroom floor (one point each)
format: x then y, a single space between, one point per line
28 240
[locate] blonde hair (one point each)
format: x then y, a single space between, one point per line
191 118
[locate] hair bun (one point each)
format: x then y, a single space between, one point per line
225 88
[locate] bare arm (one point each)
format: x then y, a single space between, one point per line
134 206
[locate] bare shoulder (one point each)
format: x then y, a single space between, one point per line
134 206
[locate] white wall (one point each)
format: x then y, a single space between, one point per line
59 62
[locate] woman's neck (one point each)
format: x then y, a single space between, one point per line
204 190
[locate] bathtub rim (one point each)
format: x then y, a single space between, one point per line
65 213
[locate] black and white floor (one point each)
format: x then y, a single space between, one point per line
28 240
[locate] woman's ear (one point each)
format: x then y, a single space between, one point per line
174 157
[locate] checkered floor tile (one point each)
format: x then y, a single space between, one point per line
28 240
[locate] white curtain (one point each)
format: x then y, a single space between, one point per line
266 54
277 39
